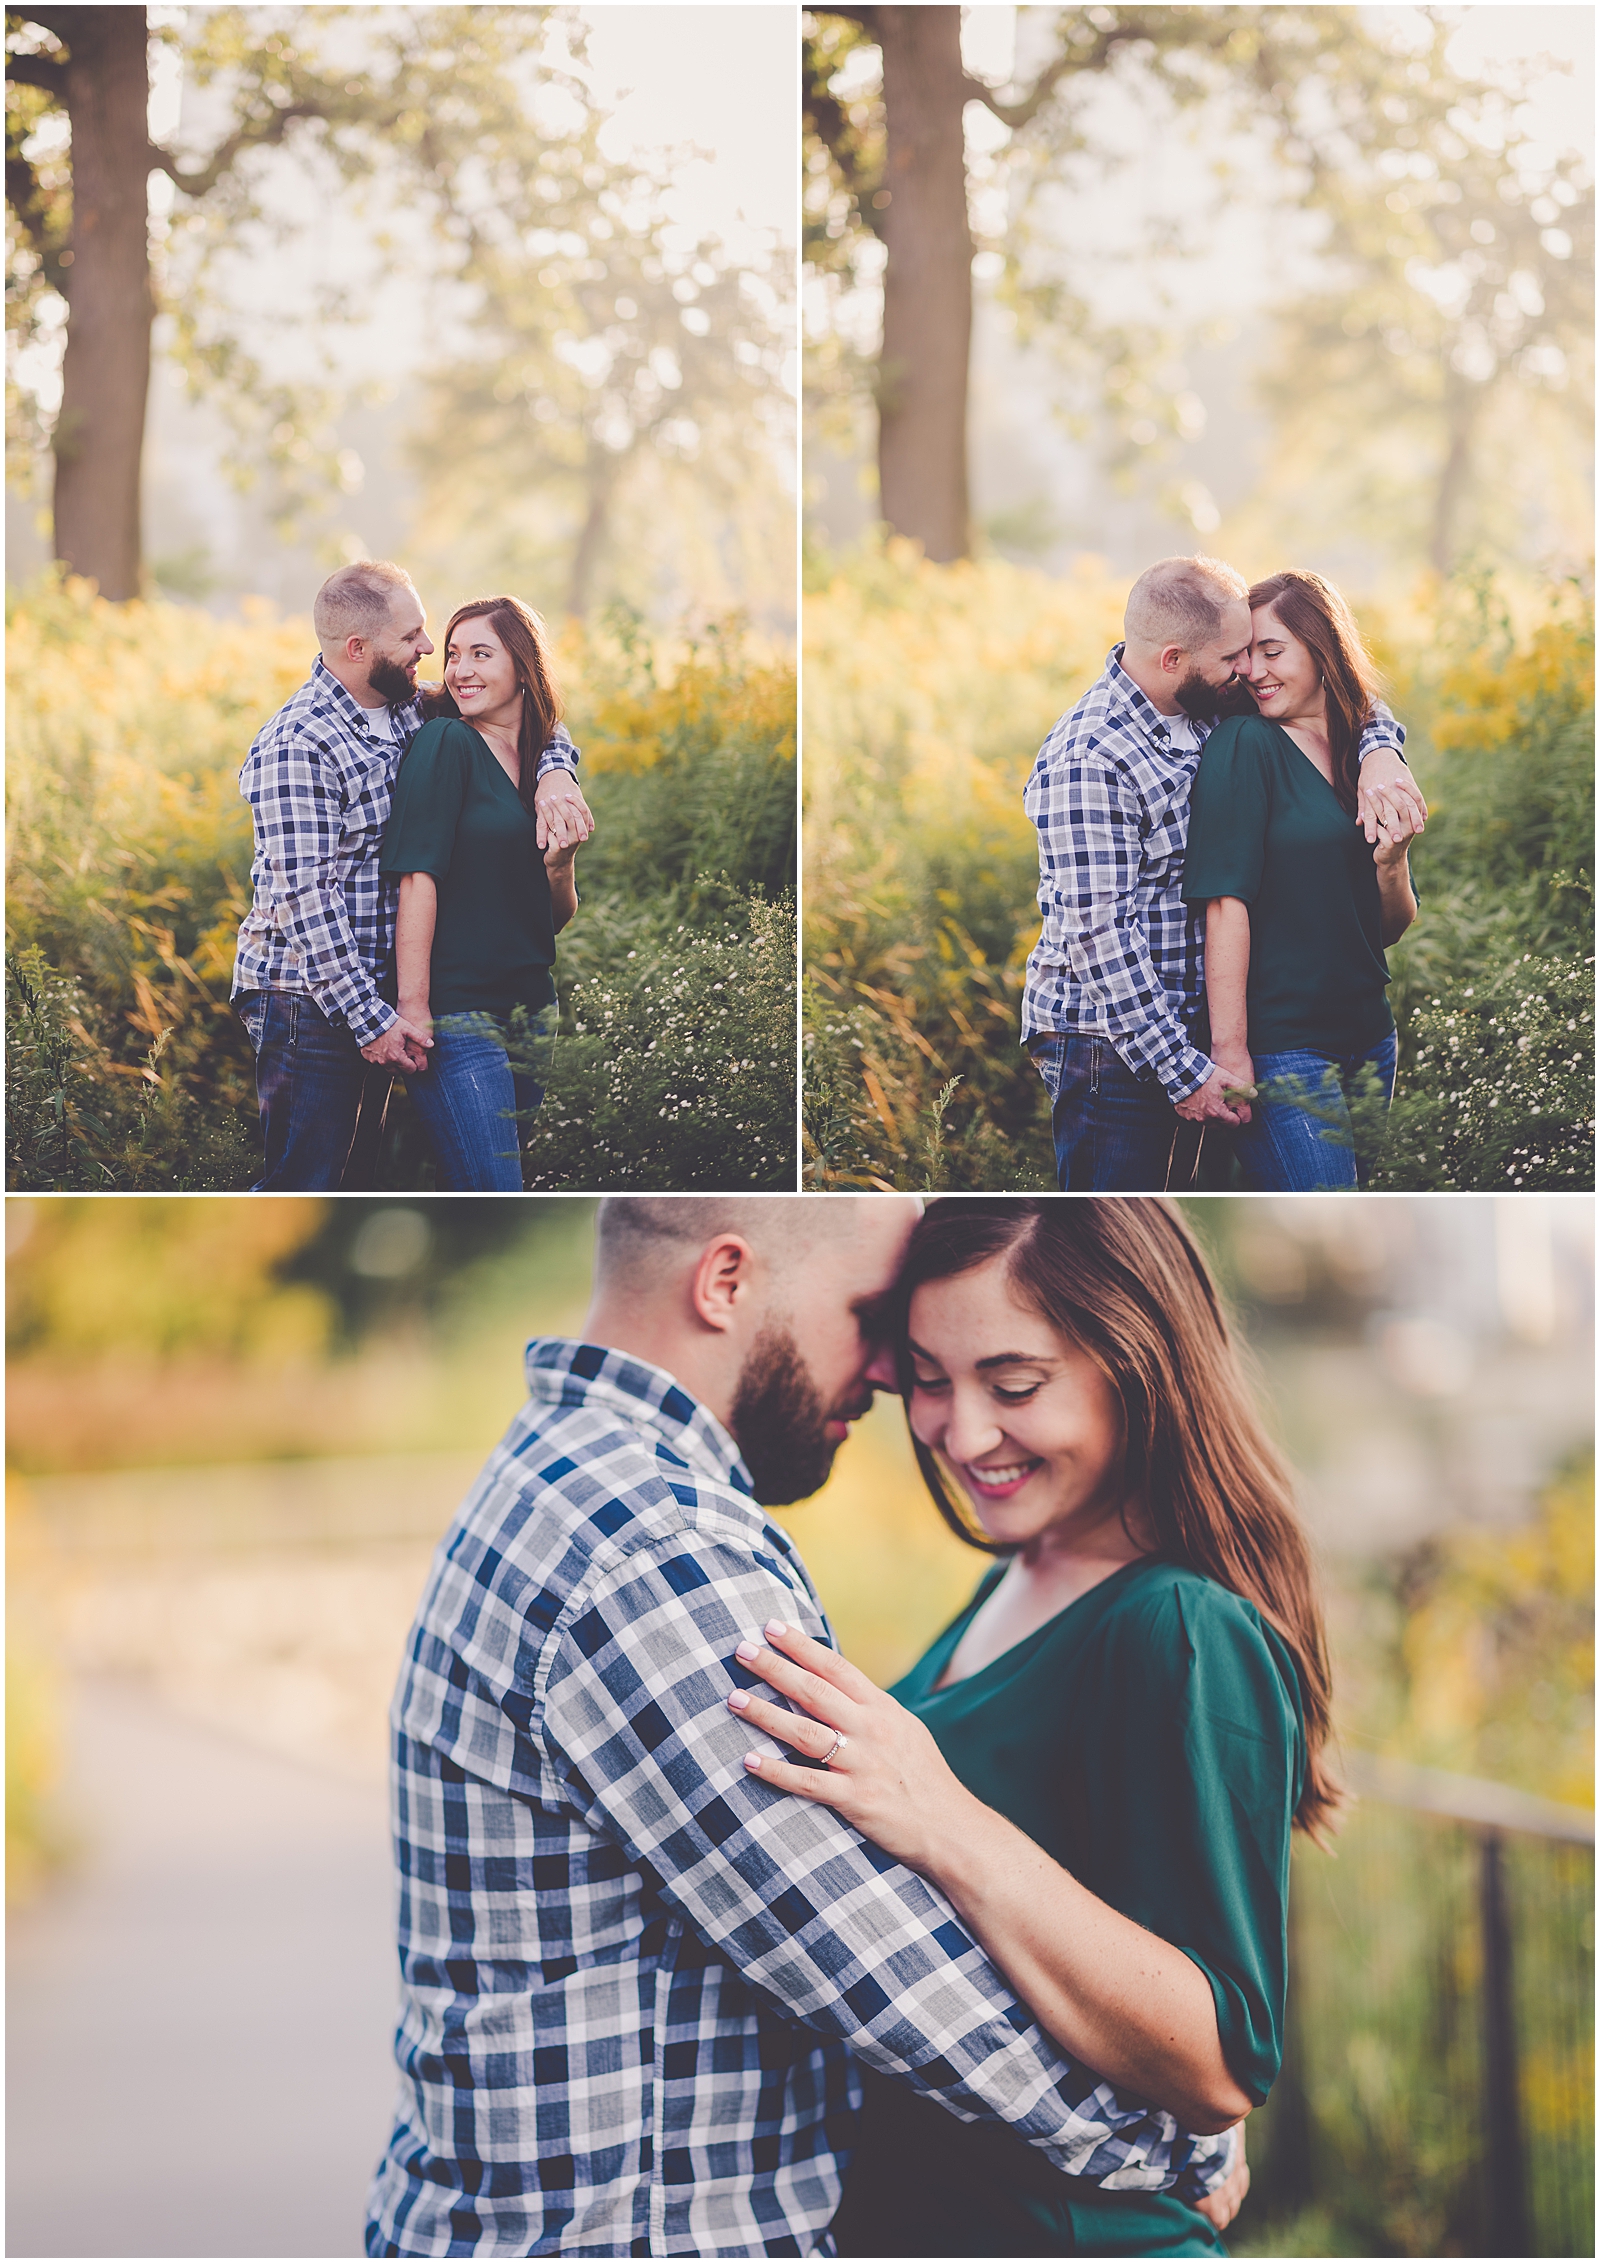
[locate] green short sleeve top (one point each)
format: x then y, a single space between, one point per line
1150 1738
1266 826
457 816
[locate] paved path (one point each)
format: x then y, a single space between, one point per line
198 2019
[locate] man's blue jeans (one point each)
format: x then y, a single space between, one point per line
322 1106
1308 1140
1115 1133
470 1099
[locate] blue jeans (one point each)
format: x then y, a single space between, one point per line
1114 1132
1308 1140
470 1099
322 1106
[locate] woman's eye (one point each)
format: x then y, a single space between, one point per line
1015 1397
929 1383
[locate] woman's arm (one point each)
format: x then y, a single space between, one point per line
413 945
1392 856
1121 2000
559 866
1227 972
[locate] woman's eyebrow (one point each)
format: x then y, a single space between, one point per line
1016 1359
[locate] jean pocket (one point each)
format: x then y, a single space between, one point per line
252 1011
1049 1056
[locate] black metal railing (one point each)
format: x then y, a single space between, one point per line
1437 2094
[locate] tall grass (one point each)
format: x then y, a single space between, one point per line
929 690
129 872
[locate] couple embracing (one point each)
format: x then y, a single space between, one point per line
1224 824
414 854
710 1947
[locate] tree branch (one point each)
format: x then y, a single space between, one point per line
38 70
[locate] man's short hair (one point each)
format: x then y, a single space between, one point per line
1180 601
356 601
643 1239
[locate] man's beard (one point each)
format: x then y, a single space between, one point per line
393 681
1201 701
780 1422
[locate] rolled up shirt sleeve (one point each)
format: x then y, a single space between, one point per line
1382 730
631 1705
559 754
293 789
1090 841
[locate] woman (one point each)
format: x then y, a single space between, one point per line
480 906
1299 908
1100 1761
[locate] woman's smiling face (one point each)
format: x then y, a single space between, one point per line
1282 672
1027 1422
481 674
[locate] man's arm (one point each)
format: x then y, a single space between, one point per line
1384 779
841 1938
1087 816
562 818
299 827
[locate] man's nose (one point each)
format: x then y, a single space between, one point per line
426 646
881 1372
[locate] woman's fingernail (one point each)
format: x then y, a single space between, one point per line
739 1700
752 1759
776 1627
747 1651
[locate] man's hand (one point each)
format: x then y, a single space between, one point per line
562 818
1220 2207
1385 786
402 1046
1212 1102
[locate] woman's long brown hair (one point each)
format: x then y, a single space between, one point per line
1312 609
1126 1282
522 633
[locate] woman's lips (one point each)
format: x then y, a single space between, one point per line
1001 1481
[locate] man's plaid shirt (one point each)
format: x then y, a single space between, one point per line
632 1976
1119 954
319 780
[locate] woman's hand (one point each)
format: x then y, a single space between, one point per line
1398 825
1237 1067
1220 2207
887 1776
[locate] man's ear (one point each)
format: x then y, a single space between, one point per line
719 1287
354 647
1173 657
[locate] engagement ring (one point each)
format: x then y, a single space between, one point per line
840 1740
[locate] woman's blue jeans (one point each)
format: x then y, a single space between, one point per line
470 1099
1308 1139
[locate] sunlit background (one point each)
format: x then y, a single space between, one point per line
237 1431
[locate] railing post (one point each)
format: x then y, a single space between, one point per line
1507 2231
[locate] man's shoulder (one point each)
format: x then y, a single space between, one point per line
312 719
1104 726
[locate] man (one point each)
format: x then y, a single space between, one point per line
1114 983
318 936
632 1981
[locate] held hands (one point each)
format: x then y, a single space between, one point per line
1386 791
562 818
1216 1099
1396 826
884 1772
404 1044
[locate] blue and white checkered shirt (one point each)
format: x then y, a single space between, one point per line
1119 954
319 779
632 1975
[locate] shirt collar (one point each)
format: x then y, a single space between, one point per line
328 686
1141 708
565 1372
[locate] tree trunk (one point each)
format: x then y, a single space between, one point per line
105 376
927 283
1453 478
586 556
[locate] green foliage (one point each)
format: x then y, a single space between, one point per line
929 688
130 853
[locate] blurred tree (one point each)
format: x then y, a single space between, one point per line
601 346
1342 112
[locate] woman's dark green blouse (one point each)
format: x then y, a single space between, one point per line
1266 826
1150 1738
457 815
